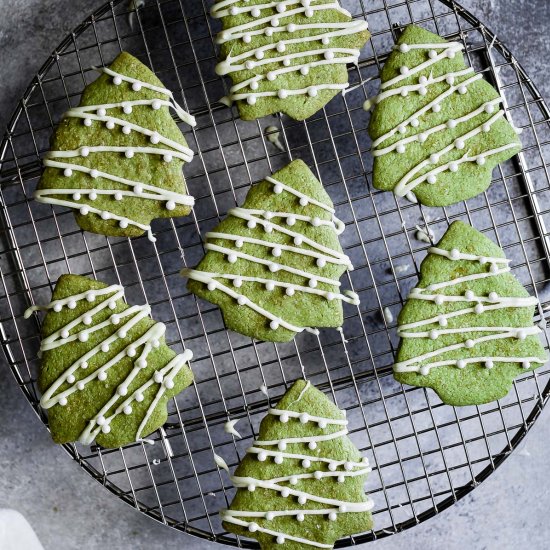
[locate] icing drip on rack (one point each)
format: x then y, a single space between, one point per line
275 18
437 326
412 128
327 471
315 253
105 114
80 330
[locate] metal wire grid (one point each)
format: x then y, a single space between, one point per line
426 455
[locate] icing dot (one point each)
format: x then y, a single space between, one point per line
329 54
154 138
268 31
138 397
300 517
127 108
330 296
109 125
521 335
453 167
290 291
276 252
101 112
321 262
415 123
102 375
231 258
282 445
286 61
105 215
461 364
481 160
167 158
255 12
312 91
126 130
117 81
342 508
280 47
404 93
489 364
262 456
459 144
259 54
423 80
123 223
432 54
290 220
284 418
400 148
312 445
434 159
462 90
436 108
332 466
111 304
87 122
237 282
77 196
318 474
57 307
270 285
308 12
80 386
469 295
451 124
158 377
450 54
439 300
493 268
280 539
332 516
273 267
489 108
493 296
156 104
84 151
122 333
252 488
115 319
340 479
239 243
404 48
304 201
469 343
424 370
247 38
291 27
131 351
100 420
304 70
322 424
170 205
298 240
404 70
431 179
479 309
252 527
141 363
312 283
526 365
304 418
251 224
71 304
275 22
129 154
402 129
87 319
122 390
274 325
302 499
84 365
92 195
105 428
127 410
486 127
306 463
136 86
242 300
423 90
434 334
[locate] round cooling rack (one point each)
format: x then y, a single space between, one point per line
425 455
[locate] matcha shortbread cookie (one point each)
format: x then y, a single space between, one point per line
273 265
288 56
301 484
467 329
106 372
437 128
117 159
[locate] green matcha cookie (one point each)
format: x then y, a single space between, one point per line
286 56
106 372
117 159
467 329
273 266
301 484
437 128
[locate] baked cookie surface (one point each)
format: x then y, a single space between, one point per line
467 330
301 484
273 265
106 373
438 129
286 56
117 159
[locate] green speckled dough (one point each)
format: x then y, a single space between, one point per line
301 106
302 309
475 384
68 422
146 168
471 178
319 528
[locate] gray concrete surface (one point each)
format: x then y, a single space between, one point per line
70 511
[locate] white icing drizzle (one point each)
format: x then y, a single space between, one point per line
336 470
269 25
229 427
457 81
80 329
221 463
100 114
322 255
483 304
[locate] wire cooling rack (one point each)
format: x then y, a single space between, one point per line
426 455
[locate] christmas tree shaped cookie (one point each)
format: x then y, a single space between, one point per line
467 330
273 265
286 56
106 372
301 484
117 159
437 128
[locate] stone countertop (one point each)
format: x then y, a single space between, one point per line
71 511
